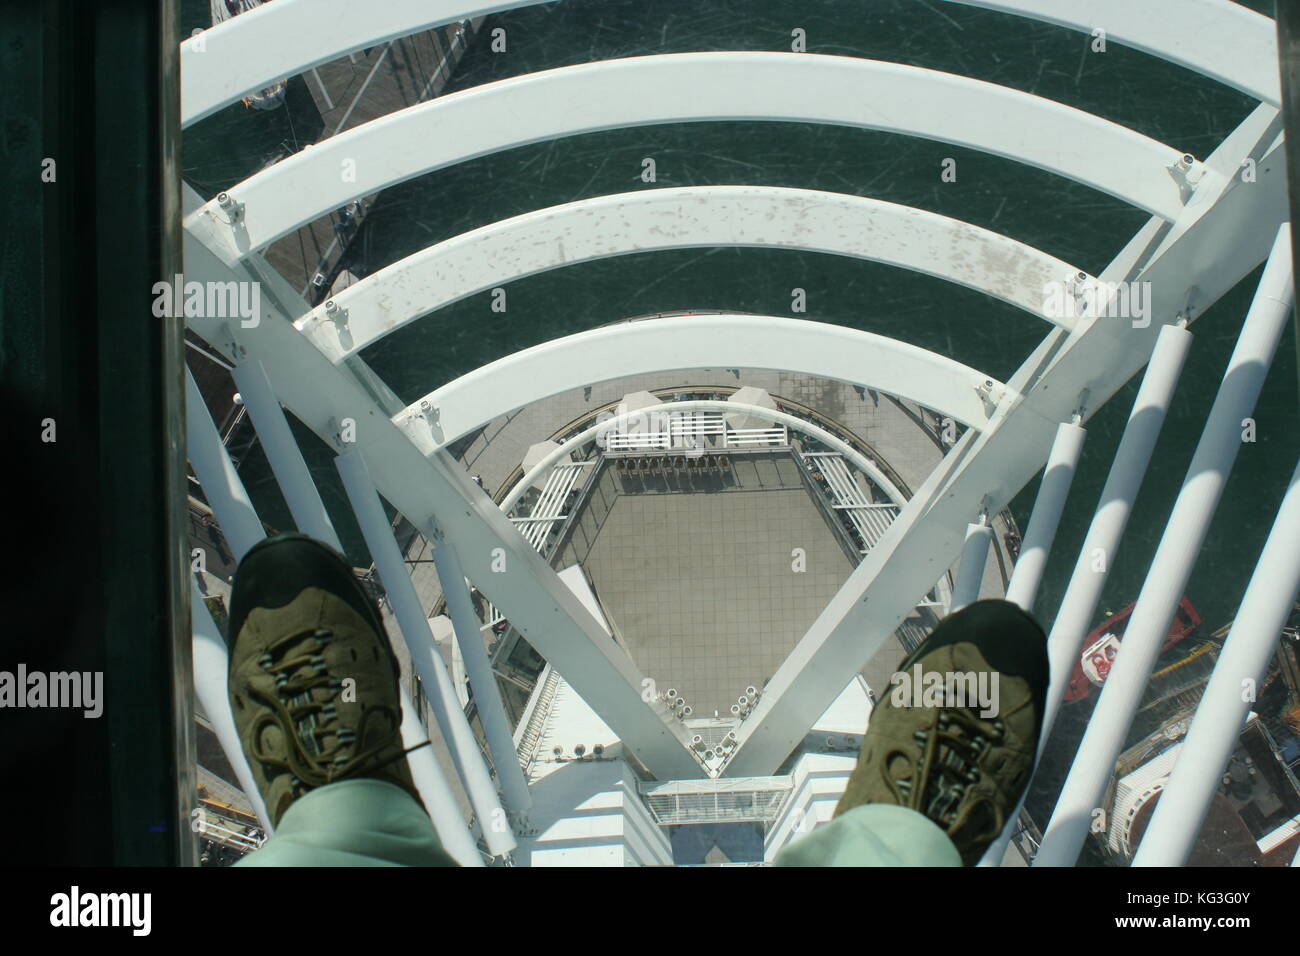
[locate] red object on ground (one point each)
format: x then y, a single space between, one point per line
1186 620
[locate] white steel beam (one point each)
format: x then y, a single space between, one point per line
425 656
217 476
1022 589
1114 506
1094 763
453 832
1226 231
970 569
1096 555
211 665
239 522
1224 706
690 217
249 52
1058 475
436 493
1225 41
1218 39
483 681
693 87
284 455
818 349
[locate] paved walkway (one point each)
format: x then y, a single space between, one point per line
702 587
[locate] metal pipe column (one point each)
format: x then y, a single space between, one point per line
1222 711
482 679
239 521
1170 568
211 664
970 568
1129 467
284 455
309 514
425 655
221 484
1058 475
1084 590
453 833
1022 589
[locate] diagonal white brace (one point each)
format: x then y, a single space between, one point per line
483 681
239 521
1211 248
325 397
425 656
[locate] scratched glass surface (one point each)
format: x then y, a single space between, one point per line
1063 218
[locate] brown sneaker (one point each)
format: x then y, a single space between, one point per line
313 682
961 755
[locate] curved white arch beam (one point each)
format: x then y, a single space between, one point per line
680 218
690 342
690 87
253 50
852 455
1216 38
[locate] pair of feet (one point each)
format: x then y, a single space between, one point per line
314 689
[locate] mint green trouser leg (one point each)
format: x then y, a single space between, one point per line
358 822
874 834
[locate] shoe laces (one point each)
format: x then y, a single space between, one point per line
319 751
952 752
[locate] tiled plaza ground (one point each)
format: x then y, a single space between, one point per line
700 585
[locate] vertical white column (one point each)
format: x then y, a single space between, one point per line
1064 642
425 655
1058 475
970 568
453 833
221 484
1022 589
1161 592
1224 706
309 514
211 664
242 528
284 455
487 695
1104 533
